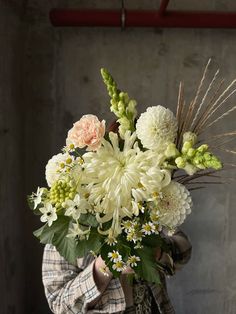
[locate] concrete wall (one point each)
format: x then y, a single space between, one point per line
50 77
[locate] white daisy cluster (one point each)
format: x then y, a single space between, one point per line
118 264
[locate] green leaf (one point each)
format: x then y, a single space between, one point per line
46 234
56 235
93 243
153 241
88 220
147 268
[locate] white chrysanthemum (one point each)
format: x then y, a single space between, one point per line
113 177
174 205
55 167
156 128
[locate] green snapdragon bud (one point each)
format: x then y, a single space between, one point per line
190 169
203 148
121 105
214 163
190 137
171 151
186 146
191 152
180 162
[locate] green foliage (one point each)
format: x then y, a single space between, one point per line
88 220
68 247
147 267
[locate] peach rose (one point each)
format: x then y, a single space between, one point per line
88 131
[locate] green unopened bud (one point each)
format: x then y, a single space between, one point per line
121 95
190 137
62 165
131 110
214 163
121 107
180 162
113 102
171 151
191 152
124 122
198 160
203 148
186 146
207 156
190 169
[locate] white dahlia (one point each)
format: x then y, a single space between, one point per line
156 128
174 205
55 166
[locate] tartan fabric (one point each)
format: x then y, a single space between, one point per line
71 289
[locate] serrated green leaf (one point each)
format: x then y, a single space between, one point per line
93 243
88 220
147 268
46 234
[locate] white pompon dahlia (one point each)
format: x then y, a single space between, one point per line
54 167
156 128
174 205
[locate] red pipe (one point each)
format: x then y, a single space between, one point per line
185 19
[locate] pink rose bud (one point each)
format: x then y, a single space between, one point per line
88 131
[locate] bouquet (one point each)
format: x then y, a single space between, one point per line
118 193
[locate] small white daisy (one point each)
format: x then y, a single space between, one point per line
115 256
148 228
132 260
119 266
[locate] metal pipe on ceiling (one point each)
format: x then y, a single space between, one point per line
141 18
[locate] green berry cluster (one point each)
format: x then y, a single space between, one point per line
61 191
122 106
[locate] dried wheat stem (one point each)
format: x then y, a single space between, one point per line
207 110
197 188
221 117
180 102
226 141
217 136
219 105
201 82
206 182
204 97
227 150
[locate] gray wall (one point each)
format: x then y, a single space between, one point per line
49 78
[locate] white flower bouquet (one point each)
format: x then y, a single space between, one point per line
118 193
